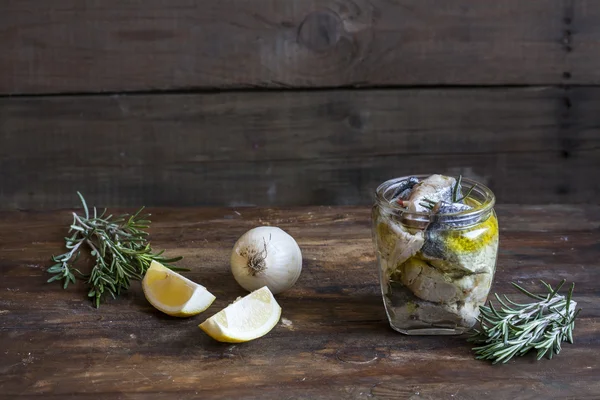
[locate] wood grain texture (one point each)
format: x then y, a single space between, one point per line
335 342
295 148
579 39
63 46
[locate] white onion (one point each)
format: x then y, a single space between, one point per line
266 256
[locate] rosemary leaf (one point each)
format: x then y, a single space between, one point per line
456 189
466 195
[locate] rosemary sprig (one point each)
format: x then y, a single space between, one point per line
456 189
119 247
517 328
466 195
428 203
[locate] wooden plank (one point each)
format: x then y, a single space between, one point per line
336 343
580 39
329 147
63 46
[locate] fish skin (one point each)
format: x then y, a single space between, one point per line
404 188
443 207
435 247
440 219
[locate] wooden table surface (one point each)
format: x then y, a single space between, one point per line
333 341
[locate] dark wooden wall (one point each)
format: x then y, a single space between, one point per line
279 102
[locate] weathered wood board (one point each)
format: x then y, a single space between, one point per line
295 148
81 46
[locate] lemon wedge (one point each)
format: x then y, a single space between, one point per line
245 319
173 293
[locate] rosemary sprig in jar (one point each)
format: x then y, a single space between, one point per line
119 247
515 329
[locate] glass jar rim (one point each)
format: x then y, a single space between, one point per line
478 188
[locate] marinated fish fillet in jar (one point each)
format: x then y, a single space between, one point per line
475 288
464 251
431 190
428 283
405 306
395 243
452 246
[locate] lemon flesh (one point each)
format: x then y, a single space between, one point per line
173 293
246 319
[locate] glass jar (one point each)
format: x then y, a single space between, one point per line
435 269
